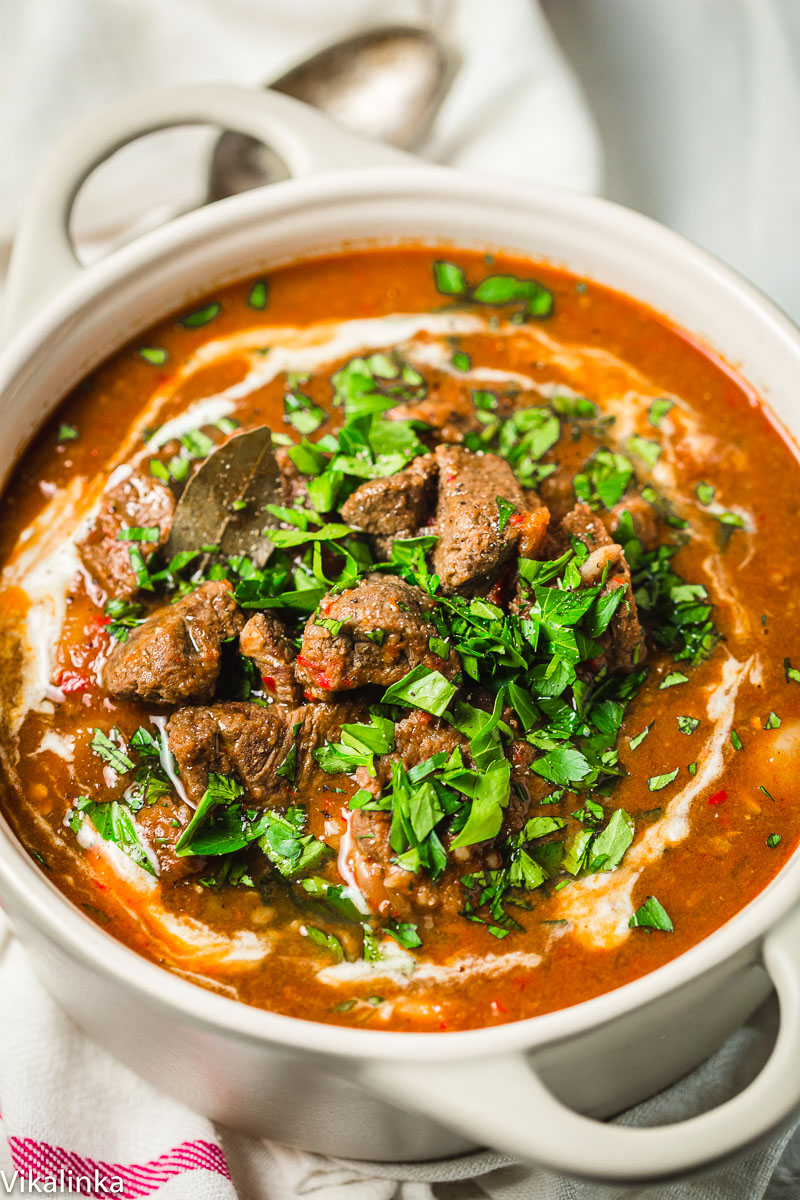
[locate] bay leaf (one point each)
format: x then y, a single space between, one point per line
223 504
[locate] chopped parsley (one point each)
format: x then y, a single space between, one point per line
114 823
259 294
658 410
645 449
637 741
125 615
656 782
302 413
422 688
497 290
603 480
506 510
201 316
673 679
328 941
155 355
652 915
110 750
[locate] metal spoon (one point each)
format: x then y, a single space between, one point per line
386 84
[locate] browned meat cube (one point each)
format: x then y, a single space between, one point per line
581 523
138 500
396 506
267 643
419 736
174 656
253 742
384 631
623 641
156 824
387 888
472 549
293 484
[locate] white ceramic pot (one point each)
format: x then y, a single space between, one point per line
537 1088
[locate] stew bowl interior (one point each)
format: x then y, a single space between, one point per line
117 995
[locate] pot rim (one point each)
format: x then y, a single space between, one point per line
58 919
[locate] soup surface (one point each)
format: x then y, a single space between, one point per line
467 695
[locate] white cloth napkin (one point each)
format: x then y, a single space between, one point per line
515 108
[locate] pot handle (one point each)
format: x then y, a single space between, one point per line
501 1102
43 260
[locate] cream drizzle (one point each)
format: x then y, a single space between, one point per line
599 906
404 968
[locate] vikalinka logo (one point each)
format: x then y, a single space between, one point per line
32 1183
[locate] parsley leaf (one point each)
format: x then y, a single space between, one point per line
656 782
604 479
637 741
450 280
404 933
506 510
658 410
610 845
647 450
562 766
328 941
114 823
673 679
651 915
421 688
110 752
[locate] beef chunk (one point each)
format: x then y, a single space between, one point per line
623 645
136 500
527 787
267 643
395 613
472 549
448 408
387 888
397 505
581 523
644 517
252 742
419 736
175 654
623 641
157 825
292 482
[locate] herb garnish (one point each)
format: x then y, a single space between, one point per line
155 355
536 300
651 915
202 316
259 294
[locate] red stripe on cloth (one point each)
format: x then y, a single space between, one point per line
42 1161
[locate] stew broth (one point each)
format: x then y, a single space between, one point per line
677 730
